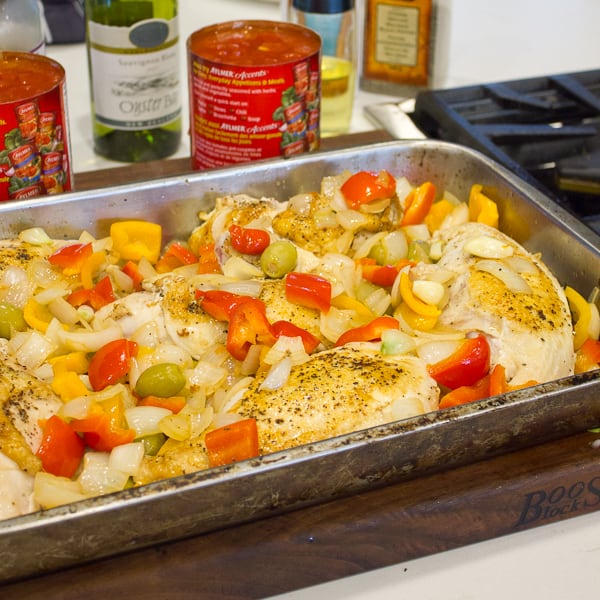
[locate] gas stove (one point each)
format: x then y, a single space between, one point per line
544 129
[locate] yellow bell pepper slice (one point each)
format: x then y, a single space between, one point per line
437 213
73 361
481 208
134 240
414 303
90 268
37 315
414 320
67 385
582 316
345 302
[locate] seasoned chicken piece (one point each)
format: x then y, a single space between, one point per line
16 490
530 333
240 209
24 401
169 304
14 253
339 391
279 308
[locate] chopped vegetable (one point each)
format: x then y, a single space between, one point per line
308 290
248 325
97 297
111 363
285 328
11 320
481 208
71 258
247 240
365 187
414 303
370 332
418 203
232 443
61 449
582 316
464 367
136 239
173 403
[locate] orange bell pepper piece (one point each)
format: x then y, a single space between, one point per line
418 203
232 443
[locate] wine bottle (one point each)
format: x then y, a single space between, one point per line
133 60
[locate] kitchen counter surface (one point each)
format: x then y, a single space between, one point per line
477 41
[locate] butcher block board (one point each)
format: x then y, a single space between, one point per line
421 482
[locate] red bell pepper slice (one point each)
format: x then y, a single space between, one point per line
288 329
61 449
100 295
311 291
418 203
365 187
181 253
71 256
370 332
111 363
249 241
382 275
232 443
219 304
591 349
466 366
131 269
248 325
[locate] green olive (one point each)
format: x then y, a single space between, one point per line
278 259
164 380
11 319
153 443
379 253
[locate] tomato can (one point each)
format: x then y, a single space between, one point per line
34 138
254 90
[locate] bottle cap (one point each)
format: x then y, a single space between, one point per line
323 6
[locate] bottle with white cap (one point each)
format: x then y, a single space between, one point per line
21 26
335 22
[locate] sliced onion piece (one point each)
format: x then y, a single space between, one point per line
301 203
249 287
278 375
36 236
144 420
512 280
50 491
237 268
350 219
127 458
485 246
521 264
434 351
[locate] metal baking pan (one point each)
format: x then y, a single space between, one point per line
226 496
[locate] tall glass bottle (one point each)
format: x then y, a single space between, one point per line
334 21
21 27
135 78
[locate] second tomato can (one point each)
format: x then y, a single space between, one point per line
254 92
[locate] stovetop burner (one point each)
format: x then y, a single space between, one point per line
545 129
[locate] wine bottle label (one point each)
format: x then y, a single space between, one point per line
135 74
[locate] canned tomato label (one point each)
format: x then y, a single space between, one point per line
254 92
34 140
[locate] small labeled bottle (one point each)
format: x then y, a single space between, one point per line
398 47
334 21
21 28
133 56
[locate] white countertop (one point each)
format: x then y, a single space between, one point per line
477 41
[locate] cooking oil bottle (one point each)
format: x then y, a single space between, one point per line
335 22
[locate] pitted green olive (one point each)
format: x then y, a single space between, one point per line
11 319
164 380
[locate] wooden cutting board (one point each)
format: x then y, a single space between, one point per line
431 514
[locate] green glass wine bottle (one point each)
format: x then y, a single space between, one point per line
133 60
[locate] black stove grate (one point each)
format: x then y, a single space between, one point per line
544 129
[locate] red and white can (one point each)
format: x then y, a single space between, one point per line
33 127
253 85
